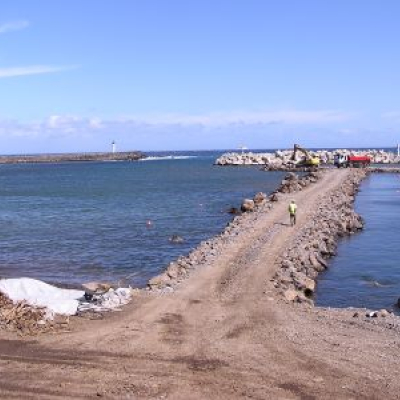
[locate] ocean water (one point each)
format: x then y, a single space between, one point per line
366 270
111 221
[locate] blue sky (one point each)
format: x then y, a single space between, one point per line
201 74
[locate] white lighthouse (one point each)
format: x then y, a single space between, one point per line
114 147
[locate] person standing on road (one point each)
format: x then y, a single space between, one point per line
292 212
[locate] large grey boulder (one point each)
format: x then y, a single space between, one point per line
260 198
275 197
291 176
247 205
96 287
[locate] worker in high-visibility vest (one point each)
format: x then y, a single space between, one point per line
292 212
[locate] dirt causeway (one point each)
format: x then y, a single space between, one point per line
225 333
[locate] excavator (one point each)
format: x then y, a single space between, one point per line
307 160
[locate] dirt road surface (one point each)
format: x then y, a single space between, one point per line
224 334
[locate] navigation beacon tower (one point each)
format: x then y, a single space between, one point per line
113 145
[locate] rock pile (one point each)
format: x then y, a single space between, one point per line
290 184
282 159
180 269
316 242
388 170
24 319
294 183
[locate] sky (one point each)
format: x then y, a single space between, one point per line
198 74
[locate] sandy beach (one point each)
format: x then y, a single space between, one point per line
225 332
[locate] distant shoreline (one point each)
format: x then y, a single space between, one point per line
72 157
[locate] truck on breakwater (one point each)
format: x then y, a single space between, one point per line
347 161
72 157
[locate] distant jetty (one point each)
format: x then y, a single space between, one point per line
282 159
72 157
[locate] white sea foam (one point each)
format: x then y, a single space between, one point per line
163 158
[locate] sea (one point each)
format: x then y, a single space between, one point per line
71 223
366 270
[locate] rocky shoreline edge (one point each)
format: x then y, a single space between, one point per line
316 242
313 246
208 250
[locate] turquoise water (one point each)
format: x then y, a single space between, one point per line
77 222
366 271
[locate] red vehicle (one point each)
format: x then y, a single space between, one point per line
352 161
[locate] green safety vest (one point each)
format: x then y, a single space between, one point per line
292 208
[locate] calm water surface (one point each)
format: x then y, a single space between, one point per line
366 271
76 222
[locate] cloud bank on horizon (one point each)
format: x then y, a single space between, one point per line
163 82
267 129
67 124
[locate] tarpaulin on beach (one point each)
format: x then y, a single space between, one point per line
41 294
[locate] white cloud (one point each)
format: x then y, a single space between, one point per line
56 125
96 123
246 118
268 129
62 122
13 26
32 70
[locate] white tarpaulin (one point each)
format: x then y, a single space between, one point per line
38 293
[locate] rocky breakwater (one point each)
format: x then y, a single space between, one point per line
282 159
316 242
72 157
207 251
387 170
